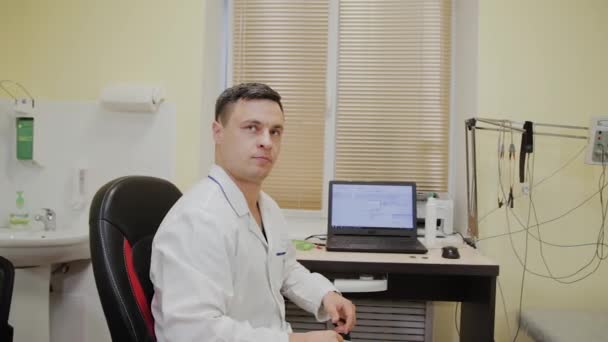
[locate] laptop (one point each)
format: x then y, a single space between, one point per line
377 217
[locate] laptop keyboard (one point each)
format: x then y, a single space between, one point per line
374 242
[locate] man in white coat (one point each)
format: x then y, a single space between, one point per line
221 259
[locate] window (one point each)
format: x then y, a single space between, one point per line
284 44
365 87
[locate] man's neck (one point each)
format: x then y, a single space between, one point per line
250 190
251 193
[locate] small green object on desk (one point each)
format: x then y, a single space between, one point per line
303 245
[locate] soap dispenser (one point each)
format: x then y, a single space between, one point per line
20 217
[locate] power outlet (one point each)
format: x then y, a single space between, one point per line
597 150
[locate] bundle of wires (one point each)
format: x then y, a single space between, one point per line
589 267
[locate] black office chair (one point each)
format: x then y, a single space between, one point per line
7 280
125 215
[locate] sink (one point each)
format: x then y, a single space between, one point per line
35 247
32 251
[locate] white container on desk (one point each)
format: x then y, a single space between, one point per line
430 223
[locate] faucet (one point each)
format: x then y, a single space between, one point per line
47 218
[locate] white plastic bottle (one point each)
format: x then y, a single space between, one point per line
430 222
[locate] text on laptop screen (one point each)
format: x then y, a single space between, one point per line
372 206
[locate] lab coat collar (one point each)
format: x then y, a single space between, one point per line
233 194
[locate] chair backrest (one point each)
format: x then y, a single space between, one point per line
7 280
125 215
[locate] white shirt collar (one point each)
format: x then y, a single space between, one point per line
233 194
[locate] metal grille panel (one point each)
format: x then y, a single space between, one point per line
377 320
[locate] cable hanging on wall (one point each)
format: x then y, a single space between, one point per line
22 104
596 139
528 131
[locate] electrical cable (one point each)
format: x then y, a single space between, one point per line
540 242
590 197
511 212
468 240
523 274
507 208
556 278
556 218
321 237
504 306
501 153
484 216
18 85
526 229
559 278
456 318
600 243
512 158
601 184
601 234
6 90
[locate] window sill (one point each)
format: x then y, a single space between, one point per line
303 223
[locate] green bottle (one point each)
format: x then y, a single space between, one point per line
20 218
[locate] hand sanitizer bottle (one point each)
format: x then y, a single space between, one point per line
20 218
430 223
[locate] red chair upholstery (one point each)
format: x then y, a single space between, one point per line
125 214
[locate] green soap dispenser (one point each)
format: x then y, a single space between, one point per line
25 138
20 218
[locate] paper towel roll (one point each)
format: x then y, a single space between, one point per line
132 98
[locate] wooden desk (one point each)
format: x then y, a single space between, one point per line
470 280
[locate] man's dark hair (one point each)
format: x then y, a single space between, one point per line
246 91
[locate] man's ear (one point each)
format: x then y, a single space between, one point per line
218 132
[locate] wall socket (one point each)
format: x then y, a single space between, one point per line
597 150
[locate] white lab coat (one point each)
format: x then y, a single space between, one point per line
217 279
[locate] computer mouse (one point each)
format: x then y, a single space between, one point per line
450 252
345 337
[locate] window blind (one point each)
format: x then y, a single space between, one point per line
284 44
393 82
393 91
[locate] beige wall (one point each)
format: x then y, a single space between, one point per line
71 49
11 38
544 61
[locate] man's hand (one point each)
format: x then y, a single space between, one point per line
341 311
316 336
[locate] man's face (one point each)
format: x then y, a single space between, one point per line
248 145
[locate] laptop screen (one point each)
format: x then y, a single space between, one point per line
382 208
